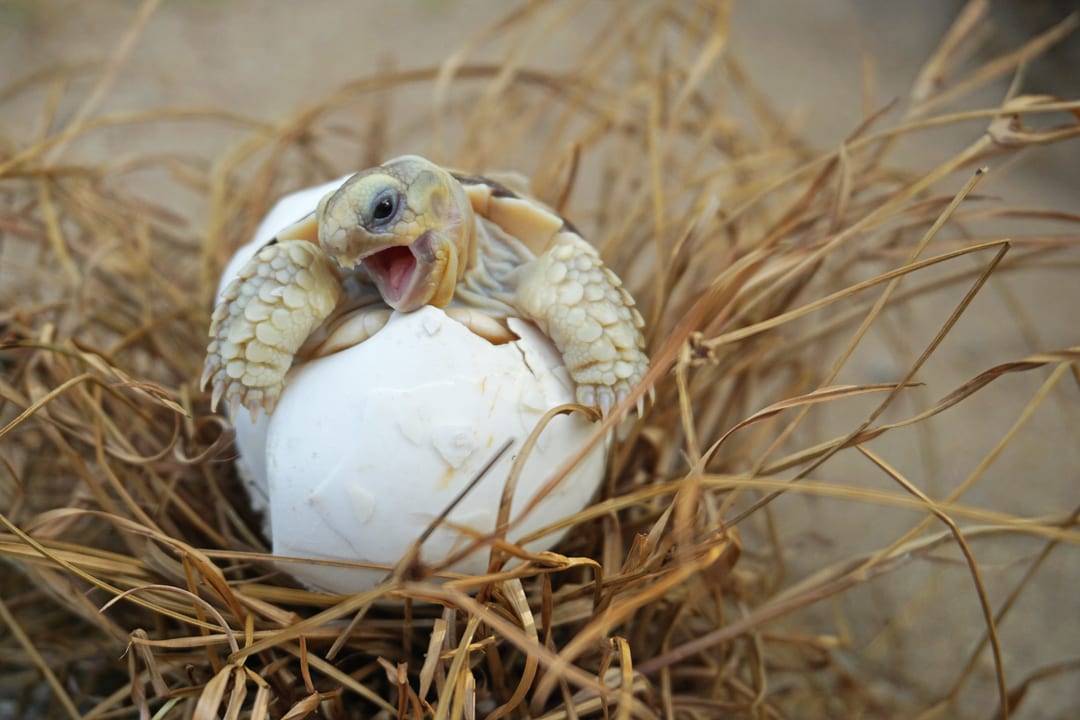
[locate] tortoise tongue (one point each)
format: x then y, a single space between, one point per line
395 266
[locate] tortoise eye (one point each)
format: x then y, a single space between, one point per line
384 208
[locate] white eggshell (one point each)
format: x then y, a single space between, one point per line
369 445
251 435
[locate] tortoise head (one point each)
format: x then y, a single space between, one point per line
409 222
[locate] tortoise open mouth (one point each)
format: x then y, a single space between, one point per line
393 270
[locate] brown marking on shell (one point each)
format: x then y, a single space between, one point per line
530 221
569 227
493 187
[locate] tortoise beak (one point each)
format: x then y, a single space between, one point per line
394 271
411 276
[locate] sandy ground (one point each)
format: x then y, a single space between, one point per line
265 59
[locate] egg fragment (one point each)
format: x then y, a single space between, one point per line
369 445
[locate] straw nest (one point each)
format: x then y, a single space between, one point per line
136 583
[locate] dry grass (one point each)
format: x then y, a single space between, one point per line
762 267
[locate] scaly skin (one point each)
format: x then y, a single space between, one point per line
424 236
582 306
279 298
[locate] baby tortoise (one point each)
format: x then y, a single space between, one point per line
406 234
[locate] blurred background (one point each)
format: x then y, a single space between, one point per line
811 60
266 59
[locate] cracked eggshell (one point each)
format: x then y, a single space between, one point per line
368 445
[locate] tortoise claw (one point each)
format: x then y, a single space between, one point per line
606 397
586 395
215 397
606 400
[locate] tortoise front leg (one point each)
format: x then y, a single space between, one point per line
262 319
582 306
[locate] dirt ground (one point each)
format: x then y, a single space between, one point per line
265 59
